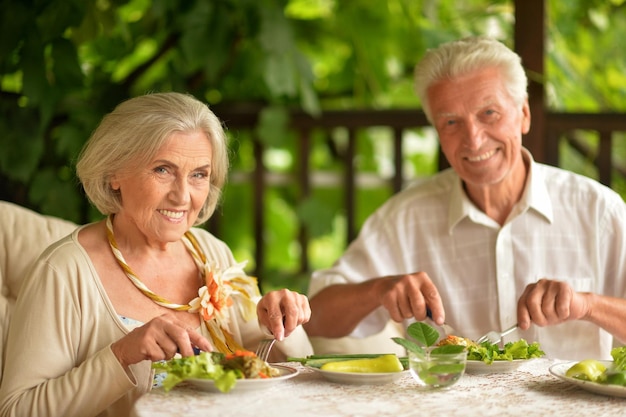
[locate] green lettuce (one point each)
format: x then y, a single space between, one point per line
205 365
519 349
619 358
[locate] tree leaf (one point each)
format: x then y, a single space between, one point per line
425 334
279 74
316 215
35 84
67 72
55 196
408 345
22 147
272 126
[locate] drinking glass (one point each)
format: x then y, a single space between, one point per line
434 370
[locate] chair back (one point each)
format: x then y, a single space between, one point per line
24 234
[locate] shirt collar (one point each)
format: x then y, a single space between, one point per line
535 197
536 194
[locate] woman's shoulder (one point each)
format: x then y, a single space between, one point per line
67 246
64 264
65 257
205 237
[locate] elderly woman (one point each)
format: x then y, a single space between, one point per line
143 284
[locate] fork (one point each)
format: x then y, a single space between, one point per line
495 337
263 350
447 329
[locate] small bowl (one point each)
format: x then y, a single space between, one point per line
437 370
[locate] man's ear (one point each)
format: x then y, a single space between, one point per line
525 117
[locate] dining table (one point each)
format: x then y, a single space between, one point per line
529 390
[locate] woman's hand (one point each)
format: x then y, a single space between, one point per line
282 311
159 339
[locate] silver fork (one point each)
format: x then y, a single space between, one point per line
495 337
263 350
447 329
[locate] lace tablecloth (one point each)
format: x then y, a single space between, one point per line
528 391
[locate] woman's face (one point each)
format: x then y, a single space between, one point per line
162 200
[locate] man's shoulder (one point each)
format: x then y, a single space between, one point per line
428 187
422 194
578 190
568 180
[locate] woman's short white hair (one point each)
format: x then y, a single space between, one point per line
457 58
134 132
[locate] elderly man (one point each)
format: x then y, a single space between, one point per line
495 240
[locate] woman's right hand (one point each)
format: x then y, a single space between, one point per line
159 339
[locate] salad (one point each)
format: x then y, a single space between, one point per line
485 352
223 369
596 371
488 353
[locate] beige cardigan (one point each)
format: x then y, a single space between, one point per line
58 356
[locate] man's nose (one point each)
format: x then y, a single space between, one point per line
474 134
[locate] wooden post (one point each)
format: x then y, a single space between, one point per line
259 192
529 40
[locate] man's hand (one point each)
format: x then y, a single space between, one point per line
407 296
549 302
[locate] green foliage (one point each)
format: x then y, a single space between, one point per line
585 65
66 63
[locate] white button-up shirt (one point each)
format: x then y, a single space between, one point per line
565 227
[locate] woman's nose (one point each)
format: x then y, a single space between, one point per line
180 191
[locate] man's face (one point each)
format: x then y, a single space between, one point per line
480 128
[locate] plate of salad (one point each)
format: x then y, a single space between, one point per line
491 358
248 384
495 367
217 372
597 376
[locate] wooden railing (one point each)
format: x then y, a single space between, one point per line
559 126
605 125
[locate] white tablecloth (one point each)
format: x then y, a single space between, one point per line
529 391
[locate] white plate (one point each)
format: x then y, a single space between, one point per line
560 369
480 367
360 378
286 372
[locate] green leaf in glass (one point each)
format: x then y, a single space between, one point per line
408 345
425 334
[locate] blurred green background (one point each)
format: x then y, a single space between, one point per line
66 63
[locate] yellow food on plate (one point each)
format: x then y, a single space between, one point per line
382 364
456 340
248 365
588 370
